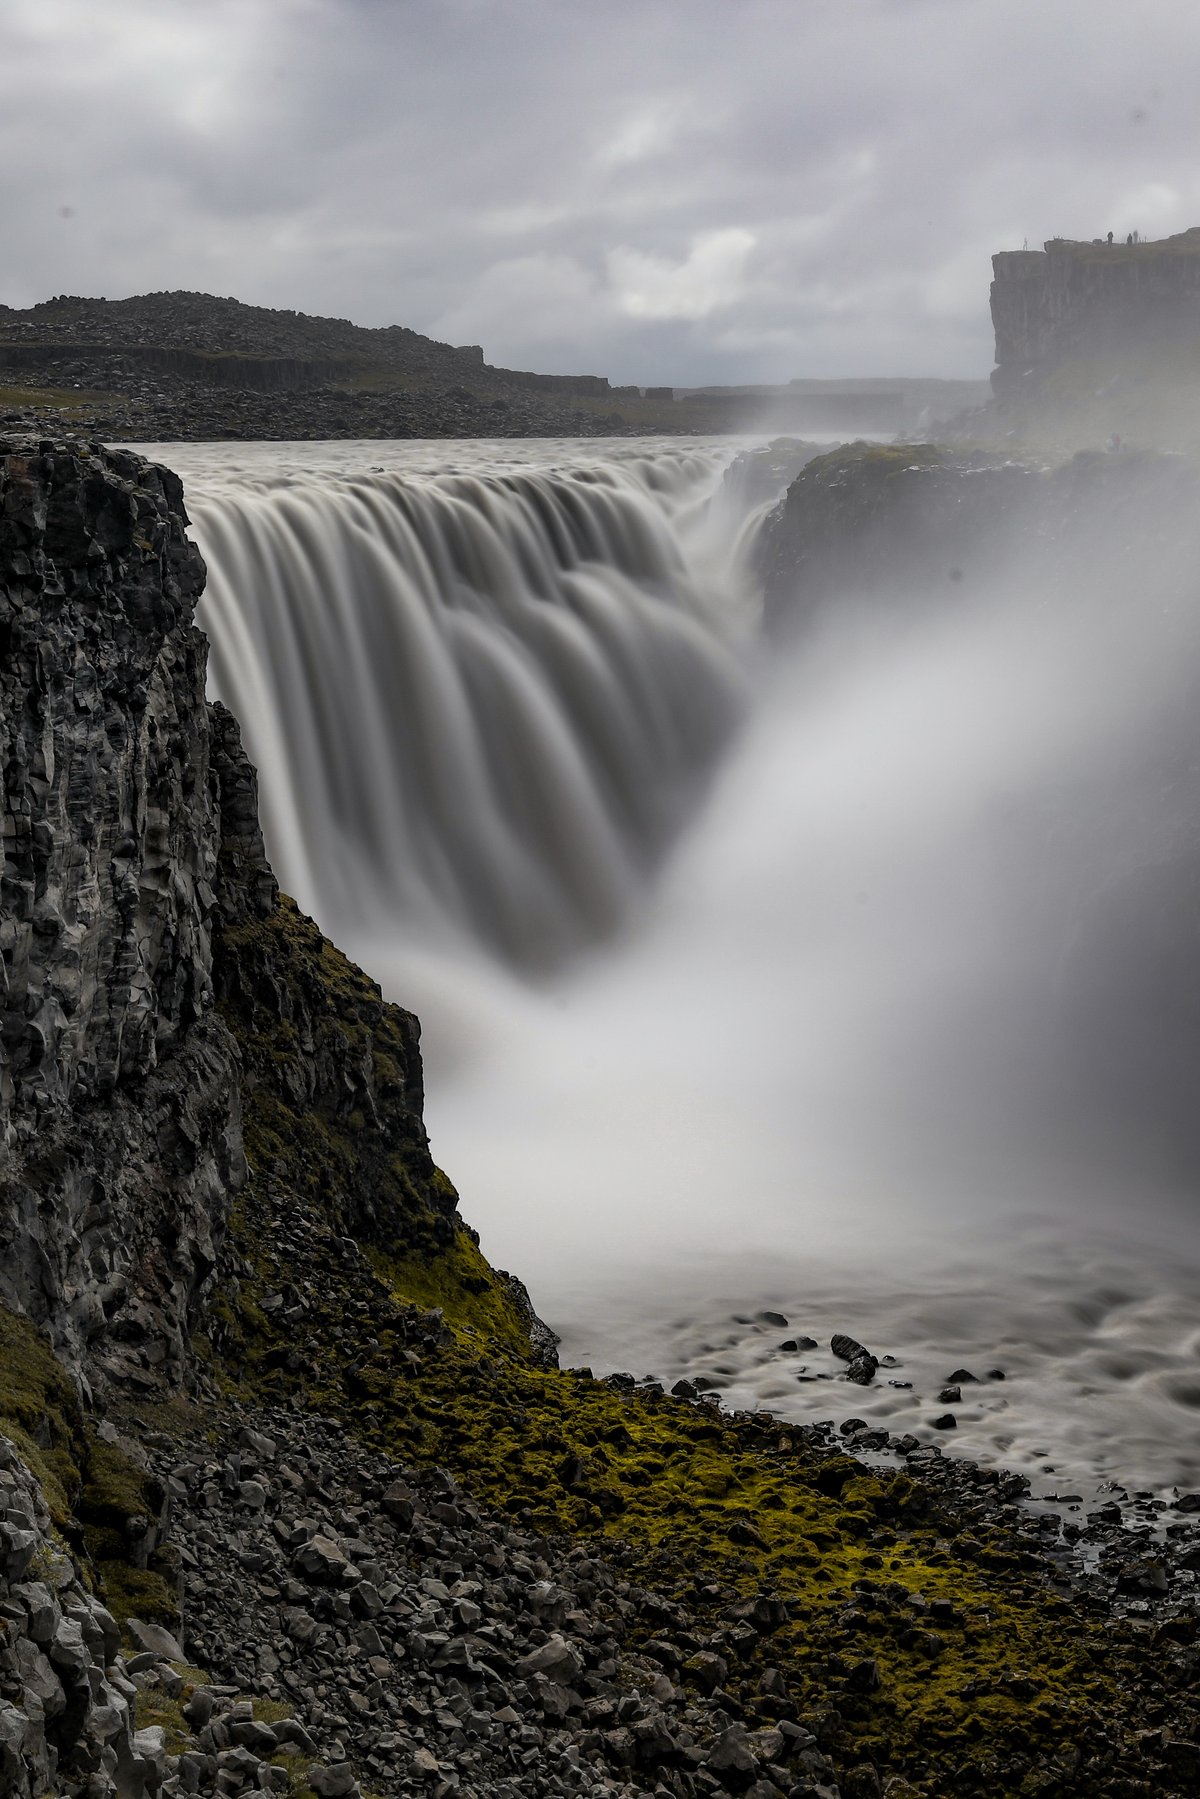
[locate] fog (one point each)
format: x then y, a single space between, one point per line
896 1031
864 1002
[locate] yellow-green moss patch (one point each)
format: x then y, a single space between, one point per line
98 1498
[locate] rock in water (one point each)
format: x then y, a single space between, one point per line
863 1366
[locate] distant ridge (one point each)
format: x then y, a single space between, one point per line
185 365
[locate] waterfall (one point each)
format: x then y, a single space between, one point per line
482 698
898 1038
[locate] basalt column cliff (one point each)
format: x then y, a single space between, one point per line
119 1095
1099 338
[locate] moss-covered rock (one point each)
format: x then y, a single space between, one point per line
105 1506
936 1641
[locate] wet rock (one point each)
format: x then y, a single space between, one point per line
862 1365
1148 1574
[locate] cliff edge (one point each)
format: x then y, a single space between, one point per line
1097 339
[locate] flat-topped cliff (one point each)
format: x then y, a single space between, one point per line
1097 302
1096 343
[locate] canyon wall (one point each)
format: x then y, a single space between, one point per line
140 923
118 1092
1091 300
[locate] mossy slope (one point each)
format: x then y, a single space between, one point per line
930 1643
103 1505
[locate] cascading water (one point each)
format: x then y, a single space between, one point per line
480 703
486 687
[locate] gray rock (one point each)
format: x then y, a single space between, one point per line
335 1782
557 1660
154 1640
320 1559
730 1757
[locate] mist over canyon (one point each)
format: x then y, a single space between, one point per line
844 964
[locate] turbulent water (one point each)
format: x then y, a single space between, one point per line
480 697
734 968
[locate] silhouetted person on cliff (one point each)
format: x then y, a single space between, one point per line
1110 237
1129 238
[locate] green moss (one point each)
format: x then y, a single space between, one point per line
153 1706
691 1502
39 1410
115 1490
745 1508
880 460
97 1496
138 1593
355 1149
460 1282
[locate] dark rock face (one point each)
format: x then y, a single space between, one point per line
1074 299
246 888
865 521
150 975
110 816
119 1103
892 524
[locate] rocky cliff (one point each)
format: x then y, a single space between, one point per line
1073 300
1096 340
119 1098
906 525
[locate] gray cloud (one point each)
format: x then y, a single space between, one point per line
654 189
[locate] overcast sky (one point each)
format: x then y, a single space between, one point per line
657 190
